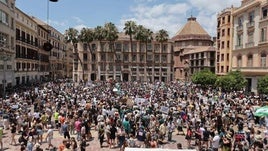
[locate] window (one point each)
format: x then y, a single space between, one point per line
263 60
125 47
250 37
103 57
125 57
156 58
134 57
3 39
239 61
251 17
228 44
85 57
222 45
239 40
223 20
250 60
228 31
222 57
264 12
85 47
263 34
3 17
229 18
227 57
164 58
222 32
240 21
85 67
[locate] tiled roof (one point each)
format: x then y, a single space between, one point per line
191 30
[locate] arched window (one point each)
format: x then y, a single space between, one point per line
250 60
239 61
263 59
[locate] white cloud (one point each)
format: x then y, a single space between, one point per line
161 16
77 20
79 27
172 16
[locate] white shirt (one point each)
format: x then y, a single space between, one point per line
216 141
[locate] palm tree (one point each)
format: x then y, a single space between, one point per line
71 36
148 37
99 34
87 36
111 35
162 36
140 36
130 29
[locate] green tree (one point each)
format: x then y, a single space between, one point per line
130 29
204 78
86 36
225 83
240 81
99 33
111 34
71 36
162 36
262 85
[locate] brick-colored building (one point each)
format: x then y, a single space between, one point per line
193 50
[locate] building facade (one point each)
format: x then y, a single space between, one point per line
250 41
147 62
224 41
193 50
7 44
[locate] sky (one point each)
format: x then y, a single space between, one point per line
170 15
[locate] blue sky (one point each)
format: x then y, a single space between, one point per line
170 15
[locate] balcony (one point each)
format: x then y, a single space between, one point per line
264 41
249 44
238 46
239 28
250 24
252 70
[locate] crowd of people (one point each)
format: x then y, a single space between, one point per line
133 114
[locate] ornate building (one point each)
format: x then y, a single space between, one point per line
147 62
193 50
250 41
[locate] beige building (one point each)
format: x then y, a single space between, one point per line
28 53
224 41
7 44
59 57
250 41
143 64
193 50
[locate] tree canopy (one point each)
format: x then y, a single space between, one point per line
204 78
262 85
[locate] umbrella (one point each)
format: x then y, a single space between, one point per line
263 111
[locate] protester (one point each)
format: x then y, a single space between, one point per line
122 111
